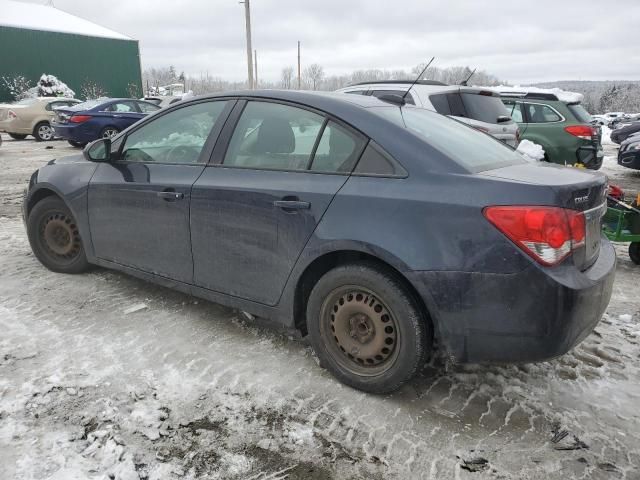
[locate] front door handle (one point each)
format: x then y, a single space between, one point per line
292 204
170 196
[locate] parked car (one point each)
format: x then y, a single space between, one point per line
162 101
104 117
619 135
479 108
629 152
561 126
371 228
32 116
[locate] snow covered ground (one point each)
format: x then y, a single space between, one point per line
105 376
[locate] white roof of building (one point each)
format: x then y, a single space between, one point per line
33 16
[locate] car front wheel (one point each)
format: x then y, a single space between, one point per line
55 238
366 328
43 132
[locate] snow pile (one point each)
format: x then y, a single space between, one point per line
563 95
531 151
50 86
606 136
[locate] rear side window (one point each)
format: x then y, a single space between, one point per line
338 150
409 99
441 104
375 162
473 150
538 113
273 136
122 107
456 105
579 112
483 108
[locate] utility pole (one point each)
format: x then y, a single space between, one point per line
255 68
247 17
299 78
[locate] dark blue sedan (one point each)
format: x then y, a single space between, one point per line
380 230
102 118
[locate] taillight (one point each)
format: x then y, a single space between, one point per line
586 132
12 114
547 234
79 118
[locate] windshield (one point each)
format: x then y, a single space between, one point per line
26 101
484 108
579 112
474 150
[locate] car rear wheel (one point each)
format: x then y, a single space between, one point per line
17 136
76 144
366 328
43 132
109 132
634 252
55 238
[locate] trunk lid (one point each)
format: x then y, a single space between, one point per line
573 188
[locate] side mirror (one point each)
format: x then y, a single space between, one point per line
98 151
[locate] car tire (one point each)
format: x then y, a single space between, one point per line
17 136
634 252
55 238
366 328
43 132
77 144
109 132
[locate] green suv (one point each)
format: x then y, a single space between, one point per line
562 127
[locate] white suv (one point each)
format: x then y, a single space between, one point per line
480 108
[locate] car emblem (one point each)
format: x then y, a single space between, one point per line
581 200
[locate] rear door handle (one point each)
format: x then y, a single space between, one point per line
292 204
170 196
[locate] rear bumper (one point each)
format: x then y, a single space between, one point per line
80 133
529 316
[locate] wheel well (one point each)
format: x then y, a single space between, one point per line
321 265
39 195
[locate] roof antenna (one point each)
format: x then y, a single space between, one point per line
464 82
417 79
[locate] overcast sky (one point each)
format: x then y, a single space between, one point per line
518 41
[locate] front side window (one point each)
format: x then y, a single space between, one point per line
466 146
541 113
273 136
338 150
176 137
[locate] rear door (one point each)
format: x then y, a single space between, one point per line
254 210
139 204
121 114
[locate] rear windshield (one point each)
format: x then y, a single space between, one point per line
579 112
484 108
474 150
88 104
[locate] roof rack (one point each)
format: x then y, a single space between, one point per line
407 82
530 95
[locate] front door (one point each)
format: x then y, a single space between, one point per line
252 215
139 203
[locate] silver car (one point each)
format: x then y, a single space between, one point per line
480 108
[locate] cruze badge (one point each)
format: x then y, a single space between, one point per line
580 200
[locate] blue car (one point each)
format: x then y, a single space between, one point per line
102 118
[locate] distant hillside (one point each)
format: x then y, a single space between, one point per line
604 95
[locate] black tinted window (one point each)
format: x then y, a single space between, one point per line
357 92
538 113
455 105
484 108
580 113
338 150
441 104
374 162
409 99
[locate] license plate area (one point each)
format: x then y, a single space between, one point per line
593 224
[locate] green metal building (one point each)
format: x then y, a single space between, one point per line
37 39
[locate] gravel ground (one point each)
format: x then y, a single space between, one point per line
105 376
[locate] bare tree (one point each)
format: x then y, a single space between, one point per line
313 75
90 90
17 86
286 78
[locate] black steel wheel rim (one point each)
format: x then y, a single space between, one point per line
359 330
60 237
